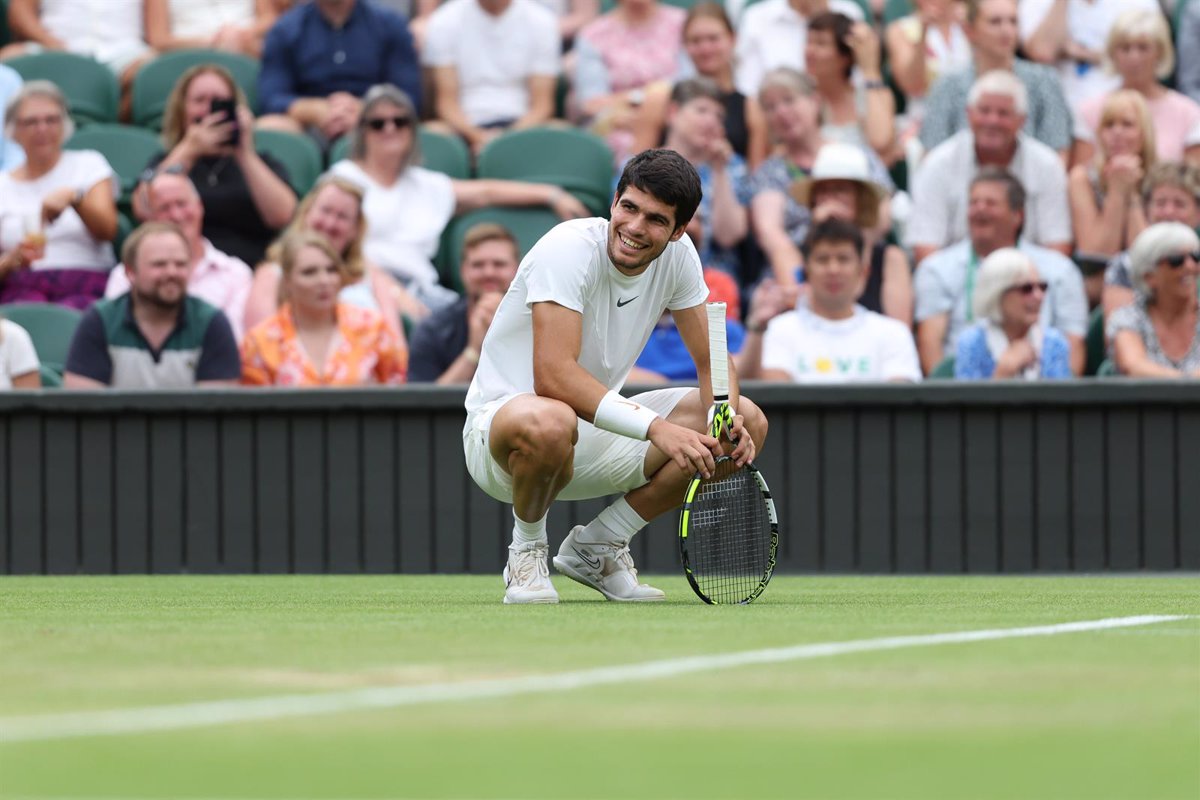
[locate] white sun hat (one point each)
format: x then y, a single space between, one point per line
838 161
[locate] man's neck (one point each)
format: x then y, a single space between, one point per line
337 18
805 8
995 158
831 312
986 62
985 247
495 7
151 316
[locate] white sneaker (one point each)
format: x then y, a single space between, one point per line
527 576
607 567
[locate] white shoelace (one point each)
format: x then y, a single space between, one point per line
531 565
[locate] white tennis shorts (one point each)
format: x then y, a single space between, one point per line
605 463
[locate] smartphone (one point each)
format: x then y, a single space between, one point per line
229 108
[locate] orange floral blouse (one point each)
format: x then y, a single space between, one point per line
363 352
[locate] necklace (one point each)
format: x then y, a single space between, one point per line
214 172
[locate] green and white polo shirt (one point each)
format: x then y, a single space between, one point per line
109 347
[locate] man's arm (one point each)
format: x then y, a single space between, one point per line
447 107
88 364
931 333
1050 36
277 90
220 363
541 101
402 68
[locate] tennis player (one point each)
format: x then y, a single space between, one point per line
544 419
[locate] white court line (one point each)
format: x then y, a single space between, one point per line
223 712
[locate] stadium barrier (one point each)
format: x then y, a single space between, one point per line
949 478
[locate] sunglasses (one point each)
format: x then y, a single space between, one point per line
379 123
1029 287
1176 261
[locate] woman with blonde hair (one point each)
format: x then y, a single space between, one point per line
1106 199
334 210
1139 50
1010 340
246 196
315 339
1158 336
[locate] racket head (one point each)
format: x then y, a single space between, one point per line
728 534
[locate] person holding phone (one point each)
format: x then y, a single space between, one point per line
208 132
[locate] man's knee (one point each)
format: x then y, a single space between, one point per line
545 434
754 420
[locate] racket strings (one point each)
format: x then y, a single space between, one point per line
729 537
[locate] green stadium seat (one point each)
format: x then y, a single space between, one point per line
127 149
51 378
5 31
49 326
90 87
1108 369
944 370
526 224
439 152
896 9
1097 349
154 82
576 160
297 152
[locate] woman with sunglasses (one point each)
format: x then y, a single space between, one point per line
1010 340
1159 335
407 206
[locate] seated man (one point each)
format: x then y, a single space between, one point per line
218 279
495 66
945 282
829 337
992 30
155 336
996 110
445 347
321 57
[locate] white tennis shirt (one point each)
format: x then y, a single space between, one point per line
570 266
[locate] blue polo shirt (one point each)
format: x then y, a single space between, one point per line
109 347
304 56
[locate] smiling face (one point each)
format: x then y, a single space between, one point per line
313 281
160 276
995 122
1176 283
641 228
334 215
489 266
39 127
174 199
387 130
990 220
1173 204
1021 303
709 45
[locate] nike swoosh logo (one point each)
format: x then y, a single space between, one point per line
591 561
621 303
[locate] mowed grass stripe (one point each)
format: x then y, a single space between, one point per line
223 712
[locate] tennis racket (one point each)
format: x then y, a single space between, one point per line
728 531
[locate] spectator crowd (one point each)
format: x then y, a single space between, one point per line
337 192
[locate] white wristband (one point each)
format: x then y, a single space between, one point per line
622 416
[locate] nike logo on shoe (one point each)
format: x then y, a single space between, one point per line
621 303
591 561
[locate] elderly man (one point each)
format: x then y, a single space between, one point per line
996 109
217 278
992 30
321 57
154 336
945 281
445 347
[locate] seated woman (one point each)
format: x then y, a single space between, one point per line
1139 49
708 39
840 187
407 206
334 210
246 196
1106 202
618 58
238 26
19 365
58 212
781 224
1009 341
1158 336
923 46
861 112
314 339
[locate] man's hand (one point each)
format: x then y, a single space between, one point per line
691 450
745 450
481 319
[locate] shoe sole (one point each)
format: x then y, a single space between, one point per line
538 601
564 566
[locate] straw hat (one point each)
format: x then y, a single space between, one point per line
838 161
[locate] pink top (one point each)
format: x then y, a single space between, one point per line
1176 122
639 54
